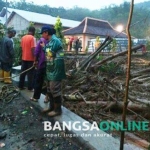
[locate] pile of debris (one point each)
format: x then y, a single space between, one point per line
95 89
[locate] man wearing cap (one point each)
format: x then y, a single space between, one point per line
55 69
6 56
28 44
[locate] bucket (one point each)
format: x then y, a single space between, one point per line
15 79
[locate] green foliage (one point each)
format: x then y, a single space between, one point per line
111 69
2 30
98 39
99 57
86 49
17 48
109 47
148 45
114 45
107 68
18 52
31 24
58 27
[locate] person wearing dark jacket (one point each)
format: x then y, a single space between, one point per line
6 56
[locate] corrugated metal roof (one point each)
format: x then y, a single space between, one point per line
42 18
3 14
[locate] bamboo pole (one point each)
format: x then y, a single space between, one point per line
127 76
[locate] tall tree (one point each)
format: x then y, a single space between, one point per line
58 27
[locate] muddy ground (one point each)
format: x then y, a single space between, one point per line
21 128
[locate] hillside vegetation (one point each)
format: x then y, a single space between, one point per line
114 14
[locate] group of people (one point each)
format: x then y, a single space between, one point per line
41 61
75 43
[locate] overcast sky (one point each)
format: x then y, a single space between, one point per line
90 4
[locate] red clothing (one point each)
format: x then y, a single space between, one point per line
144 49
27 43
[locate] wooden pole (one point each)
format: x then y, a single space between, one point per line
127 76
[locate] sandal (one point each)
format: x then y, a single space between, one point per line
33 99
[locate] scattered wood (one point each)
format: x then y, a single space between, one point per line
139 77
96 92
113 105
72 97
139 73
116 55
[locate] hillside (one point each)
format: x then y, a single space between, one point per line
145 5
114 14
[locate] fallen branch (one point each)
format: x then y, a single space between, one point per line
143 80
114 56
113 105
75 97
139 77
82 96
131 98
138 73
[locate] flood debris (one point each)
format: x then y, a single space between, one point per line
97 86
3 135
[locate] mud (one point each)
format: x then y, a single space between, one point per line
24 129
